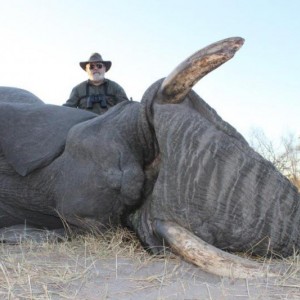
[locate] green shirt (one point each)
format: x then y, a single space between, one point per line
97 99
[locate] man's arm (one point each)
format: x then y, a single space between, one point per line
119 93
73 99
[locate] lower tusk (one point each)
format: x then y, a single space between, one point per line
209 258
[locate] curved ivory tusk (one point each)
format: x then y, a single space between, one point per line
209 258
177 85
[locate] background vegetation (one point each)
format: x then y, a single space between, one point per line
285 155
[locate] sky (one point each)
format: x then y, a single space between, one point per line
42 43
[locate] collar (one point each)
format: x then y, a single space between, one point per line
89 82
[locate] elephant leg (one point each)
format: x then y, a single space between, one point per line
19 233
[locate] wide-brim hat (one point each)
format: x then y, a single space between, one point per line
95 57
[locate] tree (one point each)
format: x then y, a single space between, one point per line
285 156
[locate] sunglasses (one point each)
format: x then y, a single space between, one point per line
93 66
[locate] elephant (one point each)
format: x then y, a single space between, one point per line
167 167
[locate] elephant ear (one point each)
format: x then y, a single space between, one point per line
33 135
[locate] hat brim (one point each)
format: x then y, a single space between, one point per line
106 63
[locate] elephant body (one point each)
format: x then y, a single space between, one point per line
109 171
168 161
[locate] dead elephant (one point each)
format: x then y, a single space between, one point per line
168 167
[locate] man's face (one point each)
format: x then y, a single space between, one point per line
96 71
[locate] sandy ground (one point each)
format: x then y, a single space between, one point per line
88 269
173 280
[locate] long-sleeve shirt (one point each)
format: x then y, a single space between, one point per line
97 99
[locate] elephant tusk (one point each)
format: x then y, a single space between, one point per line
179 82
209 258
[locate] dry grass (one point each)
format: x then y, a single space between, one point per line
115 266
53 270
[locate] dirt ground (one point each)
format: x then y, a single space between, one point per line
173 280
118 268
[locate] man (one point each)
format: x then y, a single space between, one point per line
97 94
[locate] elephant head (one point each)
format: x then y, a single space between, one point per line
207 187
169 168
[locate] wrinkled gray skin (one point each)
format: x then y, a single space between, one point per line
95 175
211 182
138 163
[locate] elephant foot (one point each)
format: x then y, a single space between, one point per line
17 234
